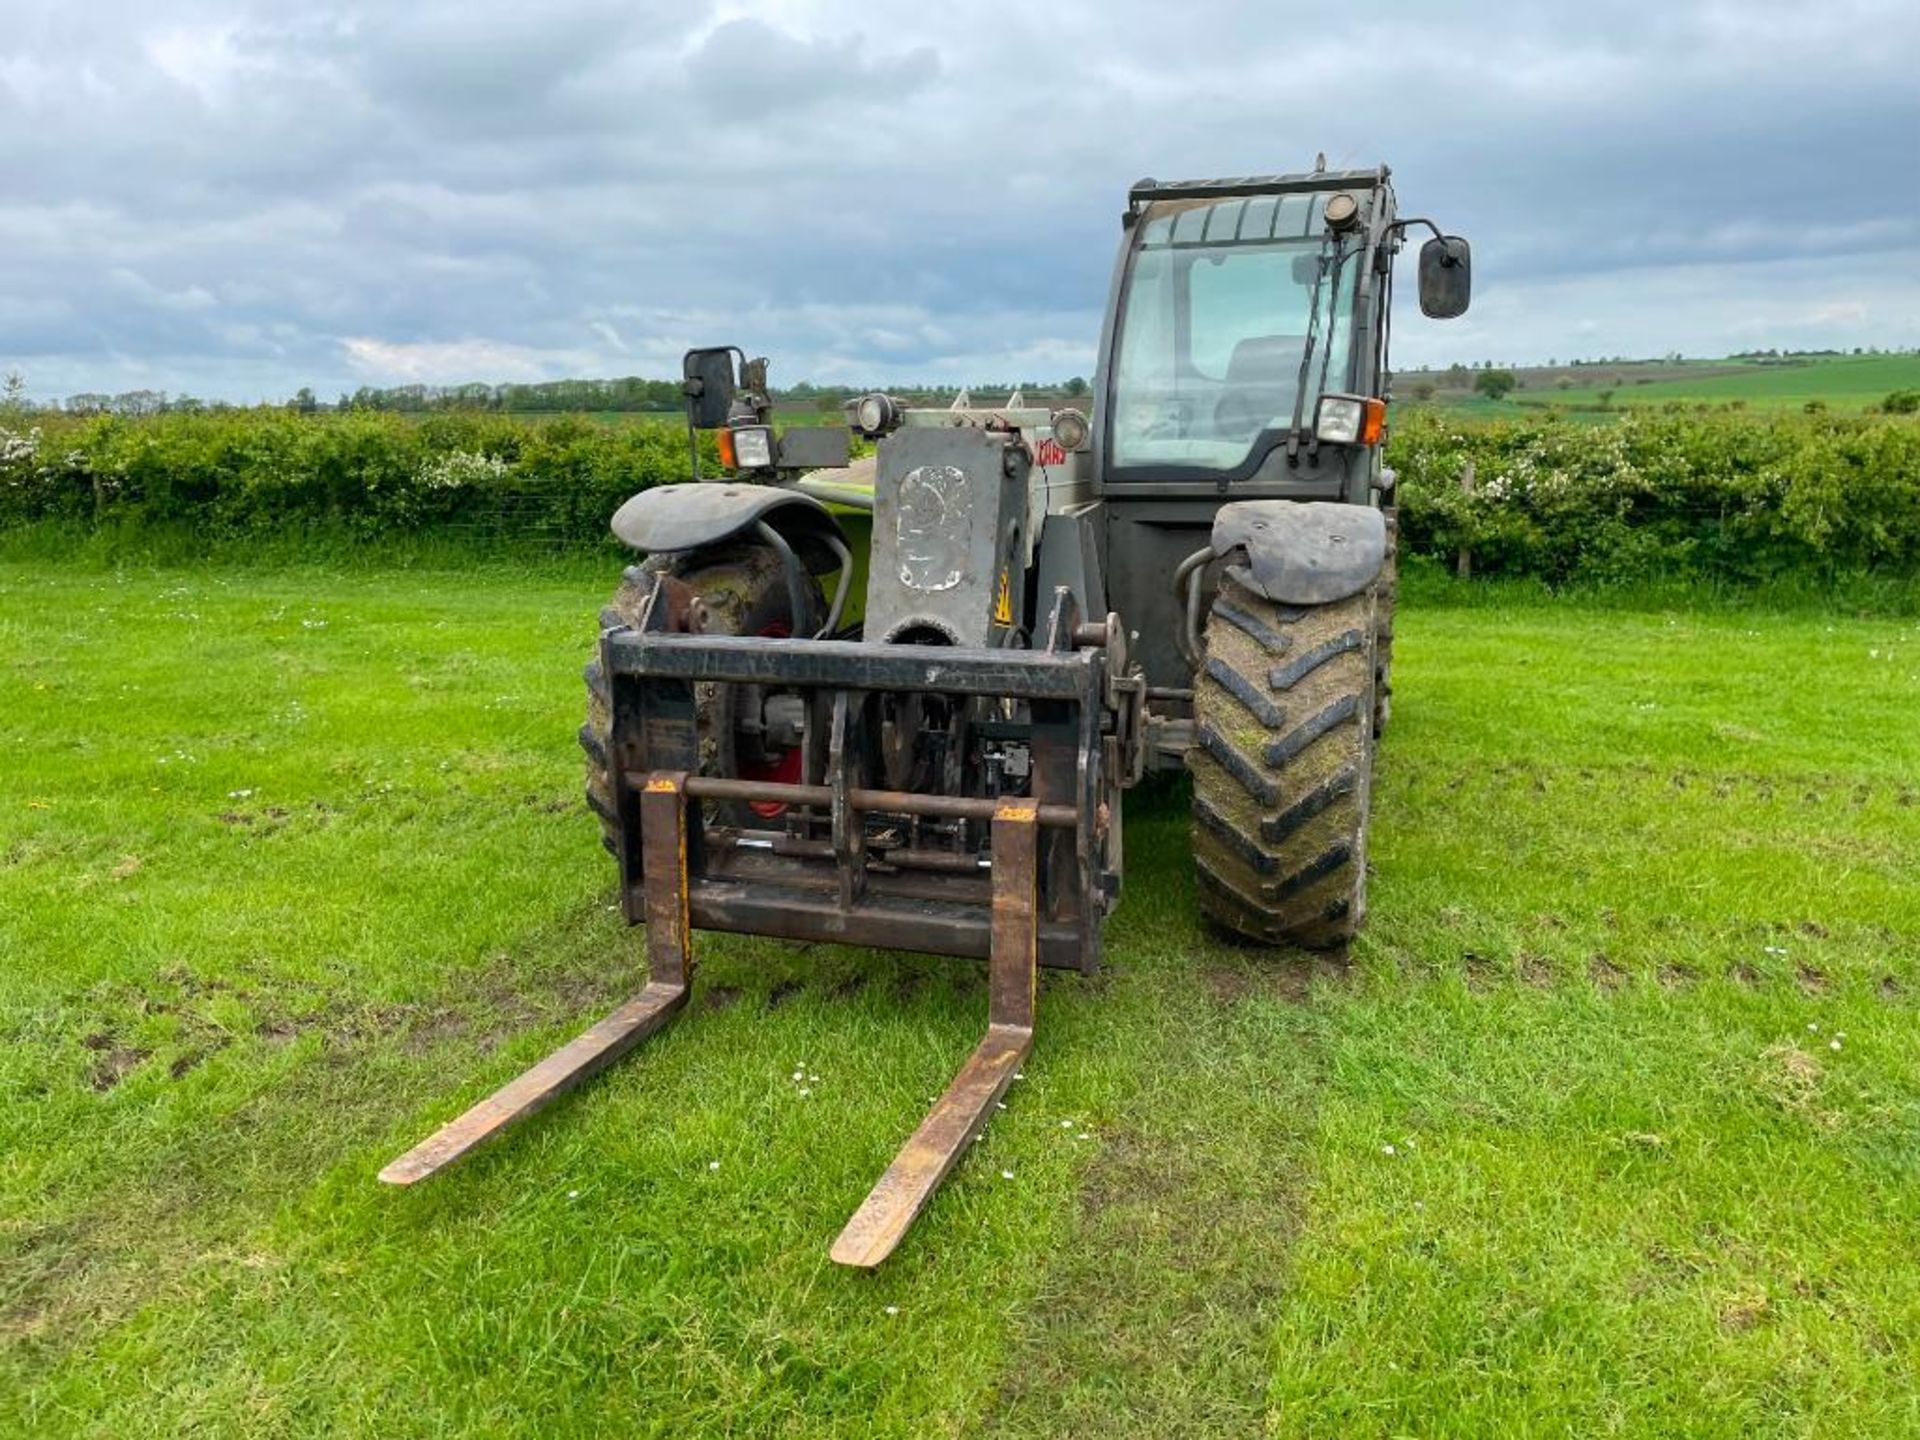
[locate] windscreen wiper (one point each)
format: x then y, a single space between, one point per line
1313 339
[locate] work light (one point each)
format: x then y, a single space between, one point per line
1341 211
874 415
753 447
1350 419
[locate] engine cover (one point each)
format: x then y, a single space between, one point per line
950 508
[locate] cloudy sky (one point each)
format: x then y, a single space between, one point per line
236 199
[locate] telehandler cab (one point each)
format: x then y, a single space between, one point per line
1199 575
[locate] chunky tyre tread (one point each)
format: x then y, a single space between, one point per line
1322 865
1389 588
1245 772
1211 819
597 732
1287 676
1290 744
595 747
1281 763
1308 806
1270 639
1249 693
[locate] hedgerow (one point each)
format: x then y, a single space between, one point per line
1735 498
1725 498
370 475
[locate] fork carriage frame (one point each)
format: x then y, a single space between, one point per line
1017 880
853 863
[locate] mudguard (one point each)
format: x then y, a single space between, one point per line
1303 552
670 518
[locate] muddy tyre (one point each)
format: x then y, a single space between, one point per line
744 592
1282 766
1388 587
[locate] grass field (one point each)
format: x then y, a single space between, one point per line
1846 385
1608 1126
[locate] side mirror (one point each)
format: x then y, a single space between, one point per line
1446 277
709 384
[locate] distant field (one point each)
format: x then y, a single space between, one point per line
1850 384
1844 384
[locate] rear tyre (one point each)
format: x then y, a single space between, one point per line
1282 766
744 592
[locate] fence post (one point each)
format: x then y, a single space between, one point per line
1464 567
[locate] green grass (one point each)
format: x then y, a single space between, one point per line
1843 384
291 868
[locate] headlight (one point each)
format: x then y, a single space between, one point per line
1070 429
874 415
753 447
1350 419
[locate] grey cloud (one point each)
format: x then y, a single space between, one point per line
752 72
241 198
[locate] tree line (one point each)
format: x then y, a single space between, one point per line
628 393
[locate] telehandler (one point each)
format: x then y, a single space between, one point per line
1199 575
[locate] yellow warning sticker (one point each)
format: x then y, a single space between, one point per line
1003 601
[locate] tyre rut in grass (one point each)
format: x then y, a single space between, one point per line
1282 764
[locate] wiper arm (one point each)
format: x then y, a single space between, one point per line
1306 351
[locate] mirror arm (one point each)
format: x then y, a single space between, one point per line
1401 225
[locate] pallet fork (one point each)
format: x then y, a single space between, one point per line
1019 881
878 1226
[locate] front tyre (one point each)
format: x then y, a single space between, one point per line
1385 603
744 592
1282 766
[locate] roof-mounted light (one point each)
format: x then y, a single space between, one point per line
874 415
